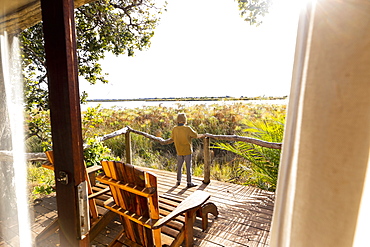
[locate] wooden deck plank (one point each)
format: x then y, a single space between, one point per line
245 214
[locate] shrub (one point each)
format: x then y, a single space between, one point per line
41 181
263 163
96 152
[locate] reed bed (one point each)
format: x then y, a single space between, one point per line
218 119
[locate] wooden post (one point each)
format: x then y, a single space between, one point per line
128 147
65 114
207 161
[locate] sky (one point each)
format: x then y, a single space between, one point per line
204 48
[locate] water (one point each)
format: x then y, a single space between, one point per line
14 214
176 104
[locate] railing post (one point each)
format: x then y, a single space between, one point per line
207 161
128 147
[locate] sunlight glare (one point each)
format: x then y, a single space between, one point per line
305 3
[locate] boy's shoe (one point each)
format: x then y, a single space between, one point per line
178 183
191 185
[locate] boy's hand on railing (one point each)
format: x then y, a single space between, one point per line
201 136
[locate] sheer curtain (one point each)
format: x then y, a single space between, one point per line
323 188
14 216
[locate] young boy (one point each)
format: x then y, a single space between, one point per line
182 135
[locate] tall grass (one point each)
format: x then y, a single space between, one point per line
234 162
218 119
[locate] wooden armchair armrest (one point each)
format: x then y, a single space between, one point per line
192 202
96 194
93 168
48 165
89 170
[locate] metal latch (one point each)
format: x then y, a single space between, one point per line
83 210
63 177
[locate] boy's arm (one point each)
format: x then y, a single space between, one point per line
172 133
191 133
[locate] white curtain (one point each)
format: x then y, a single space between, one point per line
14 215
323 191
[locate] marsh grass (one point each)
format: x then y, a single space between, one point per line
265 122
217 119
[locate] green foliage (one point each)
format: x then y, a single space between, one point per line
39 134
91 118
263 165
96 152
253 10
43 189
38 131
259 121
40 180
34 68
120 27
264 122
116 26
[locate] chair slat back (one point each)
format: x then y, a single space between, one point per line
141 206
50 156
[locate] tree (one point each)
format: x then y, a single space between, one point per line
117 26
253 10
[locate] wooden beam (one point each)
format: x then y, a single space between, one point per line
65 114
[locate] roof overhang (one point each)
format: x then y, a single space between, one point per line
17 15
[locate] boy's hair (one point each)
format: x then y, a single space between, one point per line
181 118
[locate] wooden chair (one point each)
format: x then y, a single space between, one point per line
144 222
97 195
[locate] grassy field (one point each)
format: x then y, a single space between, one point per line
244 119
227 98
218 119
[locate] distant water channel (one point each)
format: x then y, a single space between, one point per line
175 104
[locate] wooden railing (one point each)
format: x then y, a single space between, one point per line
206 145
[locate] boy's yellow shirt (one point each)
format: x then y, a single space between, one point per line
182 135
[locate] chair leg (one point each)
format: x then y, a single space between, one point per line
189 223
209 207
157 238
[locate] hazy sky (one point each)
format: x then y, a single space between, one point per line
204 48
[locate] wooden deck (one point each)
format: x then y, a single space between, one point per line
245 214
